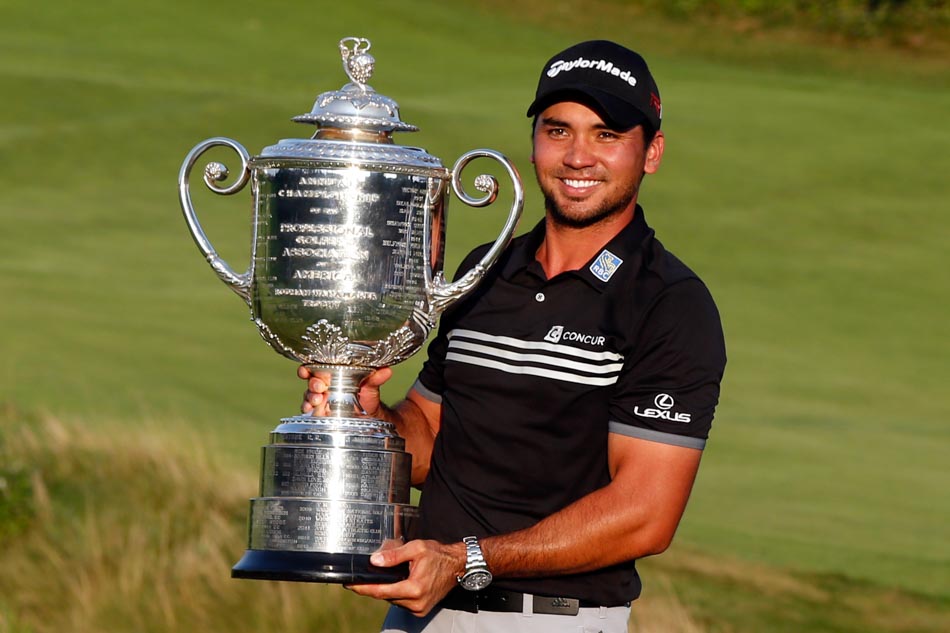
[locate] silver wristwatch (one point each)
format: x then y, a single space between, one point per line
476 575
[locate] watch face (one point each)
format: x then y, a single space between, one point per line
476 580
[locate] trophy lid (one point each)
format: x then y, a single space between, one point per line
356 107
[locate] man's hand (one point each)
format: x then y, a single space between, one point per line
433 570
315 398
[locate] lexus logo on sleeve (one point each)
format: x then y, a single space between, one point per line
664 403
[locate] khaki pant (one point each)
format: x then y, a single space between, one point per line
593 620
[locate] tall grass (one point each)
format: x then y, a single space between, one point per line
723 594
136 530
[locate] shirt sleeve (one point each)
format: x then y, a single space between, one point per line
430 382
669 386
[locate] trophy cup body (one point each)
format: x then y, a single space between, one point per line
345 277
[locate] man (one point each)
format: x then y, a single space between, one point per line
557 425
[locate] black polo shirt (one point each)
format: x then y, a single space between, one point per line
533 373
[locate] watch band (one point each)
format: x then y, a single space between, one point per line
476 575
473 553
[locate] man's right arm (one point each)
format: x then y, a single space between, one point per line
417 421
416 418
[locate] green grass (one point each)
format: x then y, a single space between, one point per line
806 183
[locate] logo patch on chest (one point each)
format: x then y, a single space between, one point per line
557 334
605 265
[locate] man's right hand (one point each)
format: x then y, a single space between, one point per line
315 398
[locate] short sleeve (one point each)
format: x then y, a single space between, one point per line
669 387
430 382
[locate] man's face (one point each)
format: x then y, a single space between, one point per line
587 171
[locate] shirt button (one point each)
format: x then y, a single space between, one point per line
539 297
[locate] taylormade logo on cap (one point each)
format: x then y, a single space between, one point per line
602 65
612 79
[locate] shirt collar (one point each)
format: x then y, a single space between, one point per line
625 246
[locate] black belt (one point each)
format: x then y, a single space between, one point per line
493 599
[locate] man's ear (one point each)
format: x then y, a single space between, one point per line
654 153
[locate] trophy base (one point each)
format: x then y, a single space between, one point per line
349 569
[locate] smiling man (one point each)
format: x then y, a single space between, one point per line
557 426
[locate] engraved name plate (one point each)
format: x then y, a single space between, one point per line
293 471
326 526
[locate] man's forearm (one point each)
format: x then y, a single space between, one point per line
589 534
635 515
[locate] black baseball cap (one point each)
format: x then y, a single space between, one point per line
613 79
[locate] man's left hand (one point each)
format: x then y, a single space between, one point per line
433 570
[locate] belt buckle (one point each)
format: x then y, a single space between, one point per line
555 606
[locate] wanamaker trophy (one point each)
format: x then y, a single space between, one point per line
345 277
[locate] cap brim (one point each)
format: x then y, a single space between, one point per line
617 113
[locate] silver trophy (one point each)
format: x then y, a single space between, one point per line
345 277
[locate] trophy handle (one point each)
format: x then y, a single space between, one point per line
443 294
214 173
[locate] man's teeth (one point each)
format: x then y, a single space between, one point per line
579 184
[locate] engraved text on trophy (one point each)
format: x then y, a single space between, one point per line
344 246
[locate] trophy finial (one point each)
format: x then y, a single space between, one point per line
357 63
356 108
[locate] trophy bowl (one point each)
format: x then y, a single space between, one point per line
346 276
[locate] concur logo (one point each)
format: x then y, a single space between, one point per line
557 334
663 403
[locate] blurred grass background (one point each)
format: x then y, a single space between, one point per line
805 180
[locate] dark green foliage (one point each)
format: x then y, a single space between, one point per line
852 18
17 501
